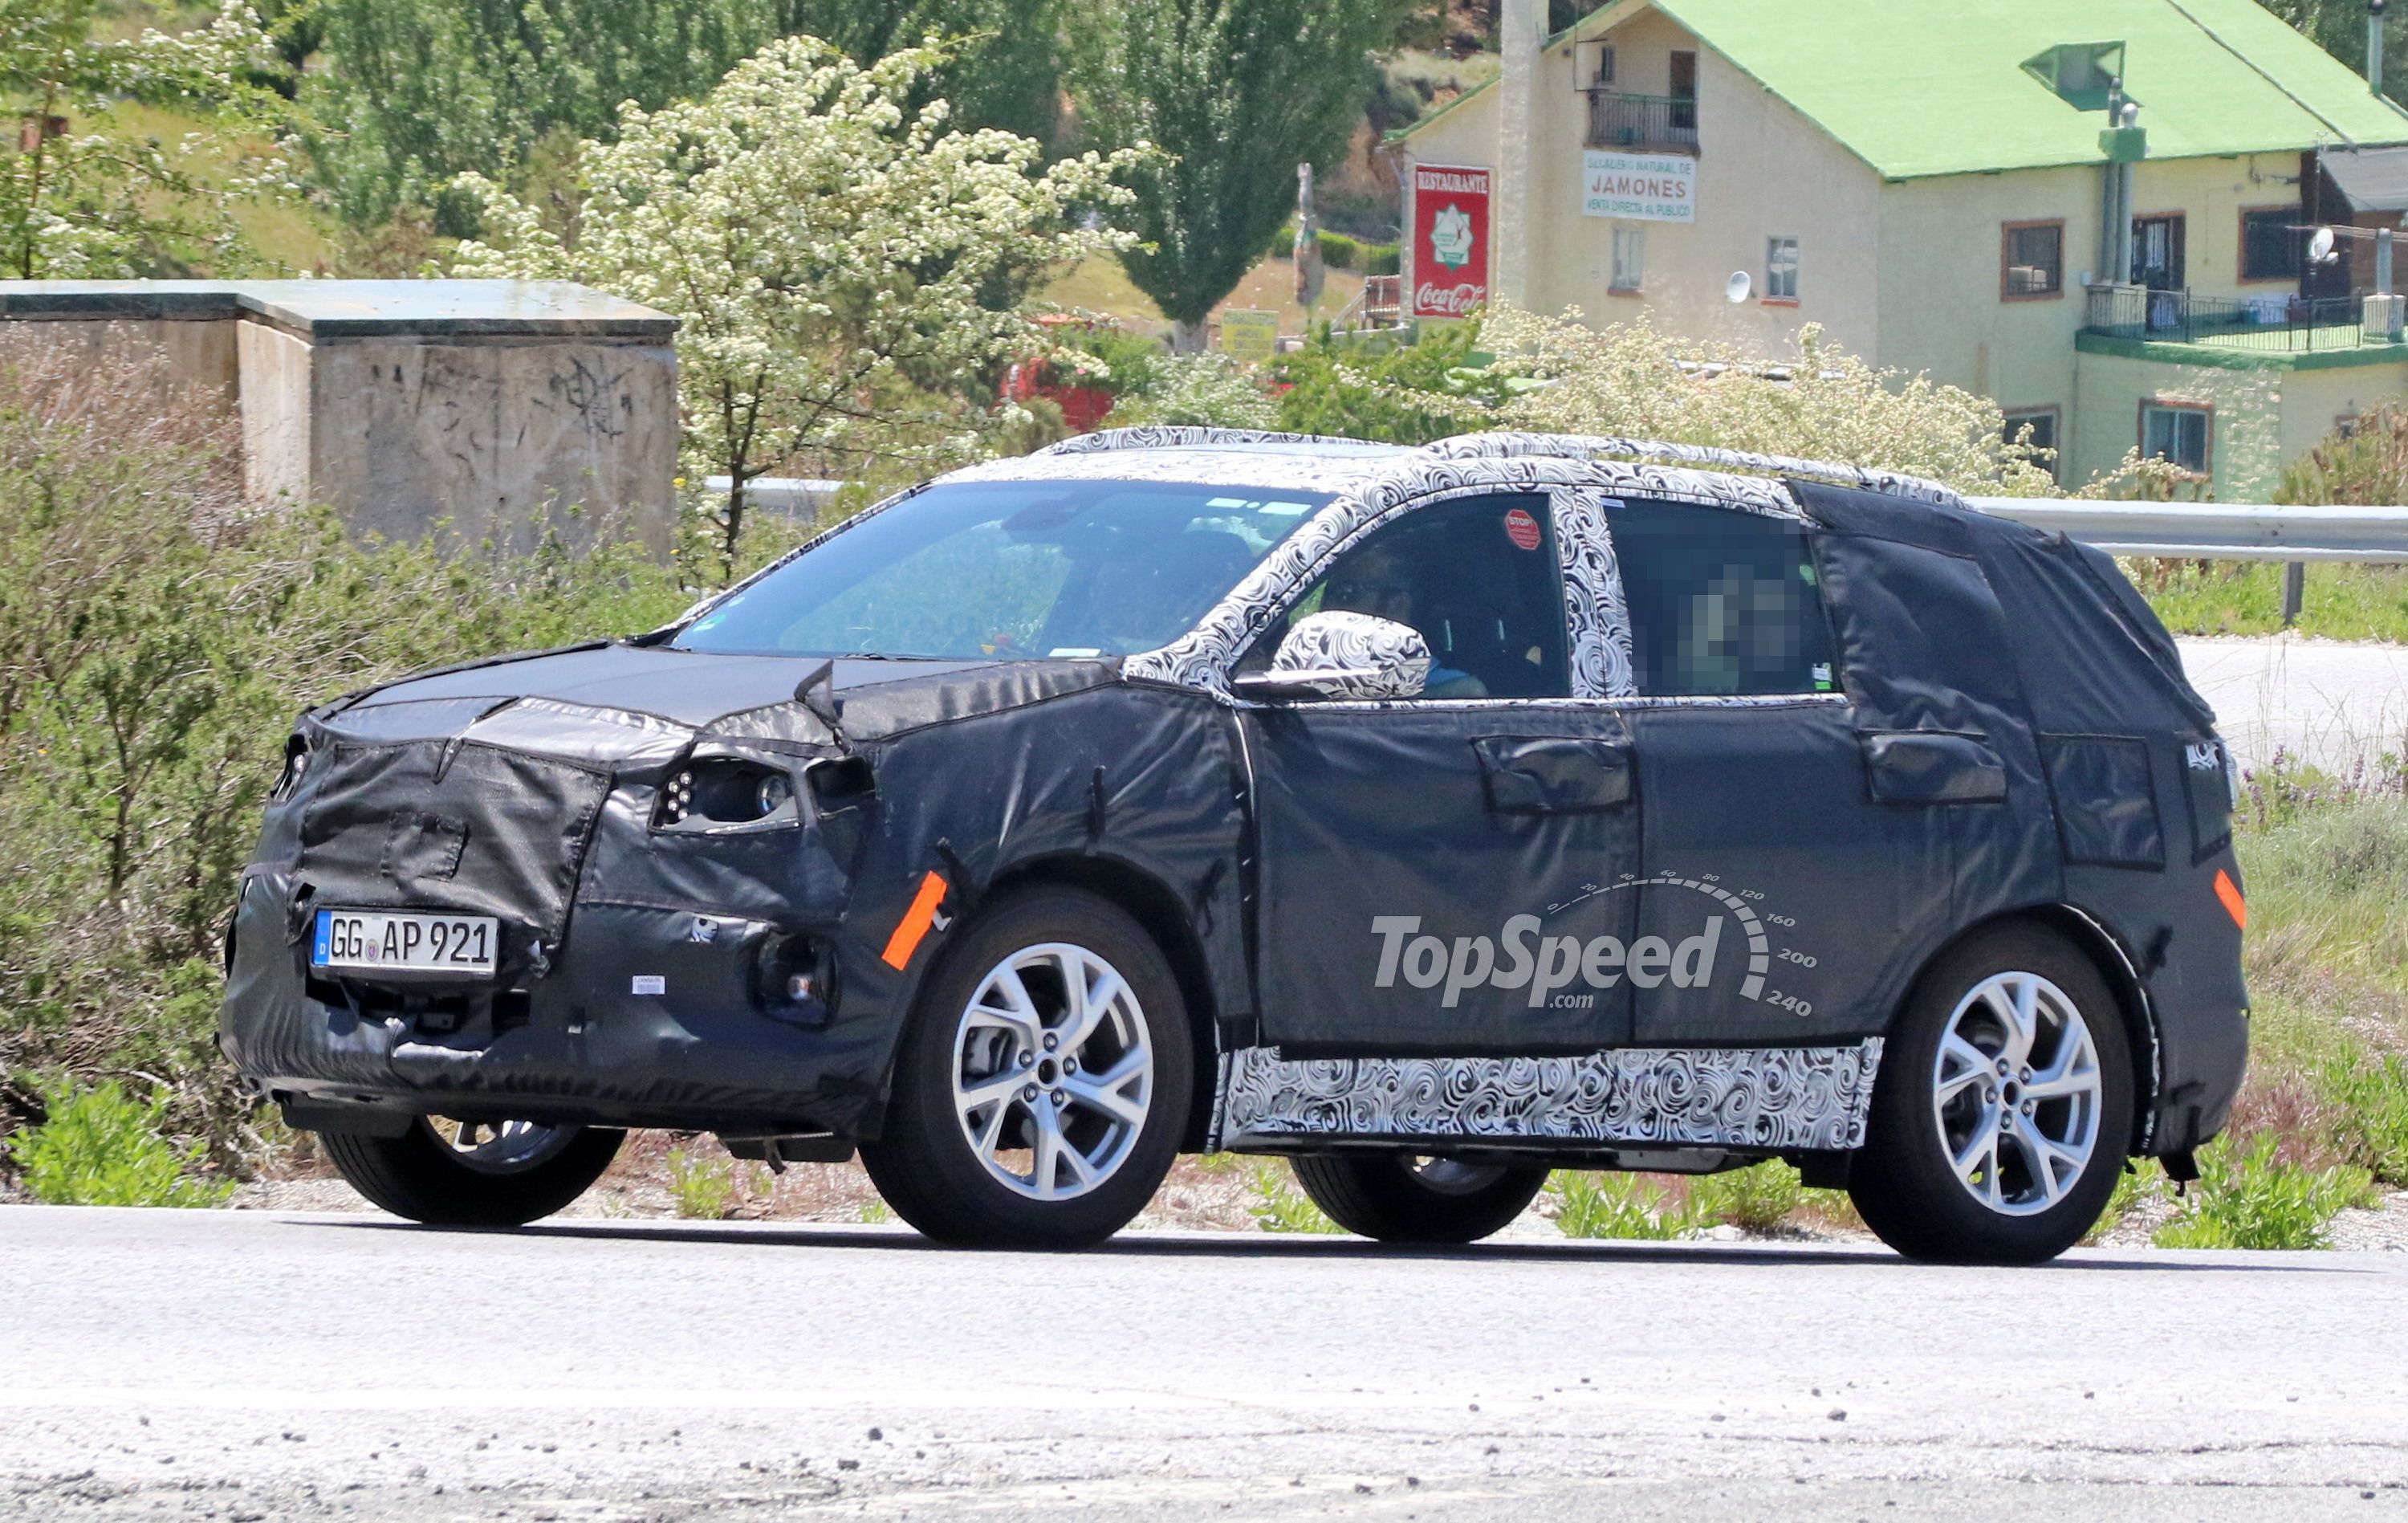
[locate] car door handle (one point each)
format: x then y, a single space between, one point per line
1934 767
1554 774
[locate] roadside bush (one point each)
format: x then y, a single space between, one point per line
2246 1198
1411 395
2373 1096
1599 1203
1209 389
102 1147
1755 1200
157 637
1280 1205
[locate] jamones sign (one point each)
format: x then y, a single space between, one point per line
1450 265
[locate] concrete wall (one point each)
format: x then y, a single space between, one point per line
481 406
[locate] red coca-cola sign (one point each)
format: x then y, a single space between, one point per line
1449 253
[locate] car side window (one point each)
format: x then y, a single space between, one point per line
1479 579
1722 603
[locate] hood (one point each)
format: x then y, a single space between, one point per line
619 704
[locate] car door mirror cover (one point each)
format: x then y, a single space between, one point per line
1341 654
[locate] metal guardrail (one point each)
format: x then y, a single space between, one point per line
2223 531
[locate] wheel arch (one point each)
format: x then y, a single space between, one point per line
1163 915
2116 969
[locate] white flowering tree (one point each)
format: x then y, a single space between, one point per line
80 197
845 263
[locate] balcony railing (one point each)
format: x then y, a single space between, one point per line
2279 324
1641 123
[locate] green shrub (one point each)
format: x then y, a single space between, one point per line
1604 1204
102 1147
2243 1198
2373 1099
703 1189
1756 1200
1339 251
1279 1206
2136 1185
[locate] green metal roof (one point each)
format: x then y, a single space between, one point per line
1938 87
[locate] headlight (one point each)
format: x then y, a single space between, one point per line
296 764
724 790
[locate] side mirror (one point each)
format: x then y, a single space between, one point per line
1343 655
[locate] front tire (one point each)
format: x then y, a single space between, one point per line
450 1173
1402 1198
1043 1082
2003 1109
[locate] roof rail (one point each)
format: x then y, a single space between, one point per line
1179 435
1469 445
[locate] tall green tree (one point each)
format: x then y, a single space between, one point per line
413 91
1238 93
2338 27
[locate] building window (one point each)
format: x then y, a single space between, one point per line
2271 244
1605 65
1781 269
2031 261
2042 423
1630 258
1684 92
2178 431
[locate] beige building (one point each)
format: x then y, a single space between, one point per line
2102 213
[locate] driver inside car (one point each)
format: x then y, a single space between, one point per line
1374 580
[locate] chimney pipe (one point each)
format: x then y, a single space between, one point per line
2375 45
1518 35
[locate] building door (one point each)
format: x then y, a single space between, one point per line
1684 92
2158 251
1432 874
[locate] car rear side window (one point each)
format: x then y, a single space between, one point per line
1722 603
1478 577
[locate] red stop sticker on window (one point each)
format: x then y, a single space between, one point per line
1522 529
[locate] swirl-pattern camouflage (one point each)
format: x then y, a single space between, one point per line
1602 667
1394 657
1777 1098
1465 446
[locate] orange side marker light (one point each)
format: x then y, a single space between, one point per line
914 925
2230 892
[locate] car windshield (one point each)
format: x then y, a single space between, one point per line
974 569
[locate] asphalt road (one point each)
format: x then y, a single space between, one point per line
2323 701
251 1366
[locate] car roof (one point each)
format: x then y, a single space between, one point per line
1250 458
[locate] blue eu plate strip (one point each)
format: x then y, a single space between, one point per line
325 944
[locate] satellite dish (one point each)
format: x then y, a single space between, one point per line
1735 290
2320 248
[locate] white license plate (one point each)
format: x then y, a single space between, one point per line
409 943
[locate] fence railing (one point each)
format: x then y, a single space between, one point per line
1617 120
2277 323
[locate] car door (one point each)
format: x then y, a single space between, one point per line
1432 874
1776 889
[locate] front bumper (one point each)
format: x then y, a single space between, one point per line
642 1015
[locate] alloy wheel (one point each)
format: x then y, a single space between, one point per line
1052 1072
499 1147
2016 1093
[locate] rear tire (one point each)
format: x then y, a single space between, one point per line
1403 1197
427 1178
2004 1109
1043 1082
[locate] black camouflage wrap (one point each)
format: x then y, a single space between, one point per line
2010 733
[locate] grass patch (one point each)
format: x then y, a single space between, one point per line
2340 601
1605 1204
